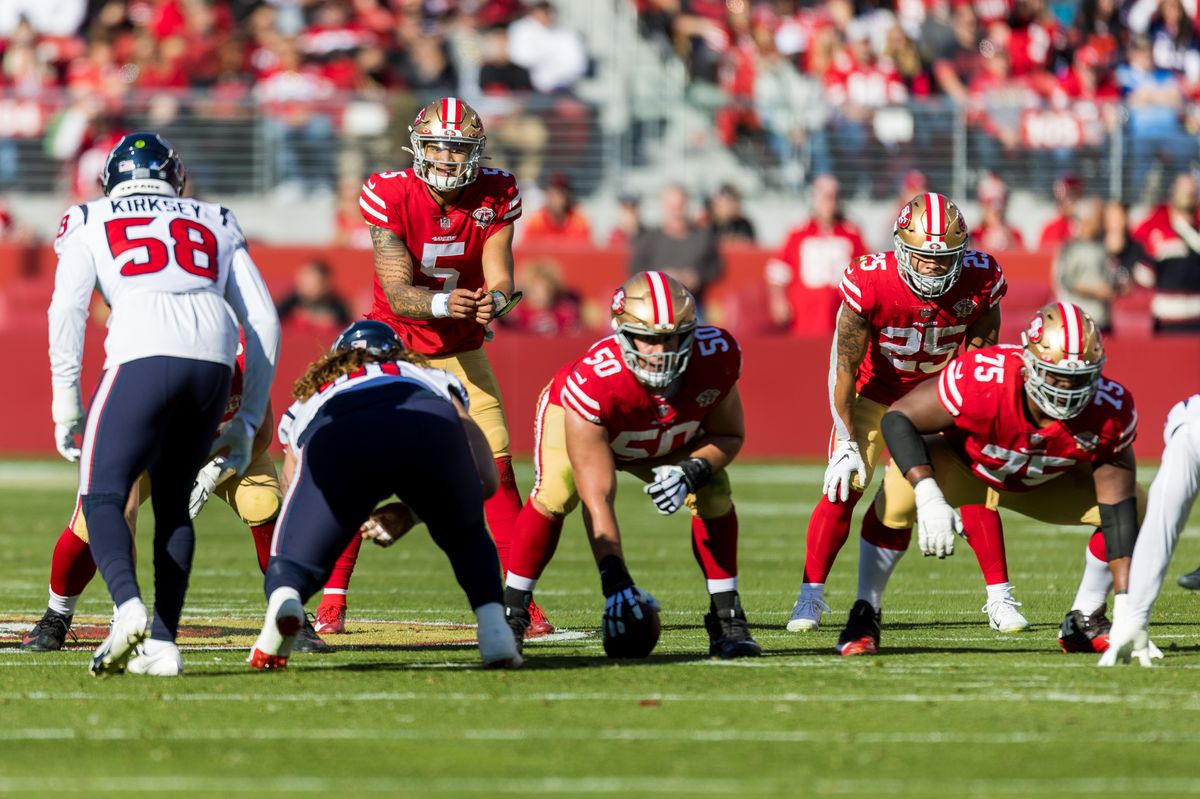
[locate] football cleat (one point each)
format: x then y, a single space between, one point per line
1191 580
806 614
518 624
49 634
166 662
1004 617
129 628
284 620
330 620
729 634
1085 633
308 641
539 625
862 632
498 647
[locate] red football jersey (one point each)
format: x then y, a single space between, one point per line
809 264
234 403
448 245
985 392
642 424
914 338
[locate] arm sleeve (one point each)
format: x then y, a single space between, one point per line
74 281
251 302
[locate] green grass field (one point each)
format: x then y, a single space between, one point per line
949 708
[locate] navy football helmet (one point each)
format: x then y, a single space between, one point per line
143 163
369 335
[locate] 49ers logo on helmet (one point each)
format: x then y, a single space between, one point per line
618 301
1035 329
905 216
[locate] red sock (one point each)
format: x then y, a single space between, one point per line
985 535
71 567
1096 545
828 529
502 510
714 544
343 570
875 532
262 535
534 543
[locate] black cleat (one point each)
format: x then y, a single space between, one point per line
307 639
1191 580
518 621
49 634
862 632
1085 633
729 634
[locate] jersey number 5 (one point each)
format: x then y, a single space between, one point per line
193 246
429 255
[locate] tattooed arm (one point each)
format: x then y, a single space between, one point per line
849 349
985 332
394 268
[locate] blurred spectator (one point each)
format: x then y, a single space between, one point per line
1172 240
513 133
558 221
994 233
1127 257
789 107
553 54
349 230
1061 228
726 218
1083 272
312 301
297 123
629 221
548 307
686 251
12 231
803 275
426 69
47 17
1155 131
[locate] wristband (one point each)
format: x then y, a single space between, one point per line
614 577
697 472
440 305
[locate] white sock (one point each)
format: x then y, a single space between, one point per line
63 604
334 592
998 591
875 567
520 583
152 646
722 586
1093 588
814 591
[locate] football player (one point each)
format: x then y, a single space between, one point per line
370 402
657 399
179 280
1172 495
1036 429
904 315
442 233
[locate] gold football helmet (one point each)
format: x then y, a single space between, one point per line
654 305
451 125
932 225
1062 344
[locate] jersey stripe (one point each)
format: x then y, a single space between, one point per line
948 392
373 197
568 399
853 303
539 425
846 282
363 205
95 413
580 395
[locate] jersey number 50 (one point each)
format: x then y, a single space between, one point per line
193 247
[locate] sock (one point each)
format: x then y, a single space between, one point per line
985 535
71 567
999 591
1097 579
502 510
64 605
262 535
339 579
517 597
879 550
828 529
536 537
152 646
714 545
333 598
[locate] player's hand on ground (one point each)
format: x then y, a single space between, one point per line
463 303
669 489
234 446
207 480
937 523
844 464
388 524
623 604
64 440
1129 643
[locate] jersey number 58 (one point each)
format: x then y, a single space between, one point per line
193 247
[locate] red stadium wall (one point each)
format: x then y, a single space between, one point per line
783 383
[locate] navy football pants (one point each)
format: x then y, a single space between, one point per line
157 414
361 448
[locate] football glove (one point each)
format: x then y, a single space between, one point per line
937 523
64 440
207 480
66 408
388 524
844 464
672 484
1128 641
238 436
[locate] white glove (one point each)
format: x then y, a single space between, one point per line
388 524
844 463
238 435
66 408
937 523
1128 640
207 480
669 489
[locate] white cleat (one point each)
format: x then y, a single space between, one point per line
166 661
285 617
497 645
130 626
806 614
1004 617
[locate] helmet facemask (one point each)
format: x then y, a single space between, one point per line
446 173
1062 345
1061 402
656 369
927 286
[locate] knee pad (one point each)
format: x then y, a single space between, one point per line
284 573
714 500
257 504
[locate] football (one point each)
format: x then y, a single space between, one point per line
640 636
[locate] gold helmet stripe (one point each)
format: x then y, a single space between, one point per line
452 113
664 312
1072 330
935 219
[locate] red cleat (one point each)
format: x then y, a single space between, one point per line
1087 634
539 625
261 660
330 620
859 646
862 632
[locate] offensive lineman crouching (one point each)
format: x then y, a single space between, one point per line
659 400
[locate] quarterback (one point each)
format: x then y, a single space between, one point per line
657 399
904 315
1036 429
